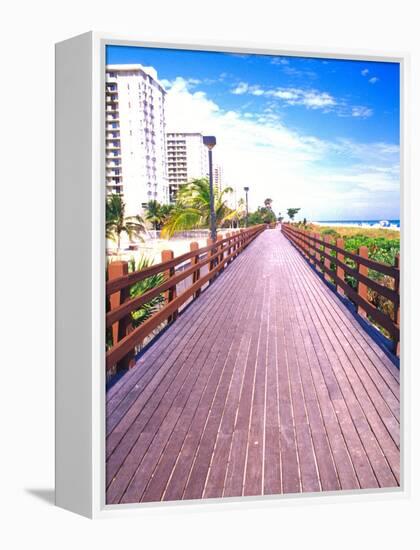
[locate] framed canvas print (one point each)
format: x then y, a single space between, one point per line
230 273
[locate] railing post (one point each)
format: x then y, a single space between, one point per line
314 248
309 237
308 245
120 328
304 244
240 238
210 242
232 245
170 294
245 238
219 246
397 310
361 287
327 261
340 271
317 253
196 275
228 236
301 242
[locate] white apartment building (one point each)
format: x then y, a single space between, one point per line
218 177
135 136
187 159
229 198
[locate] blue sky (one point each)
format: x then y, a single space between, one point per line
322 134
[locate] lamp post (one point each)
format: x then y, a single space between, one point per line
246 189
210 142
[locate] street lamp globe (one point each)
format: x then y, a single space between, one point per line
209 142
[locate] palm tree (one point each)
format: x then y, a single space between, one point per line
291 212
192 207
165 212
154 213
240 212
117 223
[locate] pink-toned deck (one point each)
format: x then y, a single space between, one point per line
266 384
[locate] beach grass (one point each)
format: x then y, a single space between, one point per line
347 231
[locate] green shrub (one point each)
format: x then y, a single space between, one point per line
330 232
140 315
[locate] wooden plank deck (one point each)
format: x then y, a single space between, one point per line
266 384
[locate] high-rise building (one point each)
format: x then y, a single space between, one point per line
217 177
187 159
135 136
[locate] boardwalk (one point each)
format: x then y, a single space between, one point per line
266 384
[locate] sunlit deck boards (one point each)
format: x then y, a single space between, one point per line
266 384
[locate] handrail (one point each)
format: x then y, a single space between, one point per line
218 255
135 303
385 269
310 246
137 276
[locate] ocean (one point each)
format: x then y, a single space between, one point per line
387 224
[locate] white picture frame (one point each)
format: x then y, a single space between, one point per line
80 283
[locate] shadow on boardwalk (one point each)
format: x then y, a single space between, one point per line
266 384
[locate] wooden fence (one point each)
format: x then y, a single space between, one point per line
120 305
319 250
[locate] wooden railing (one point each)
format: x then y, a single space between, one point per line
214 257
318 250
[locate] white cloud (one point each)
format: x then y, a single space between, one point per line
256 90
288 95
327 179
373 79
290 70
279 61
361 112
308 98
188 82
315 100
312 99
241 88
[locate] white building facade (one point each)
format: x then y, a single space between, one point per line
136 163
187 159
218 177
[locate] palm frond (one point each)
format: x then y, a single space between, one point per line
141 315
182 219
